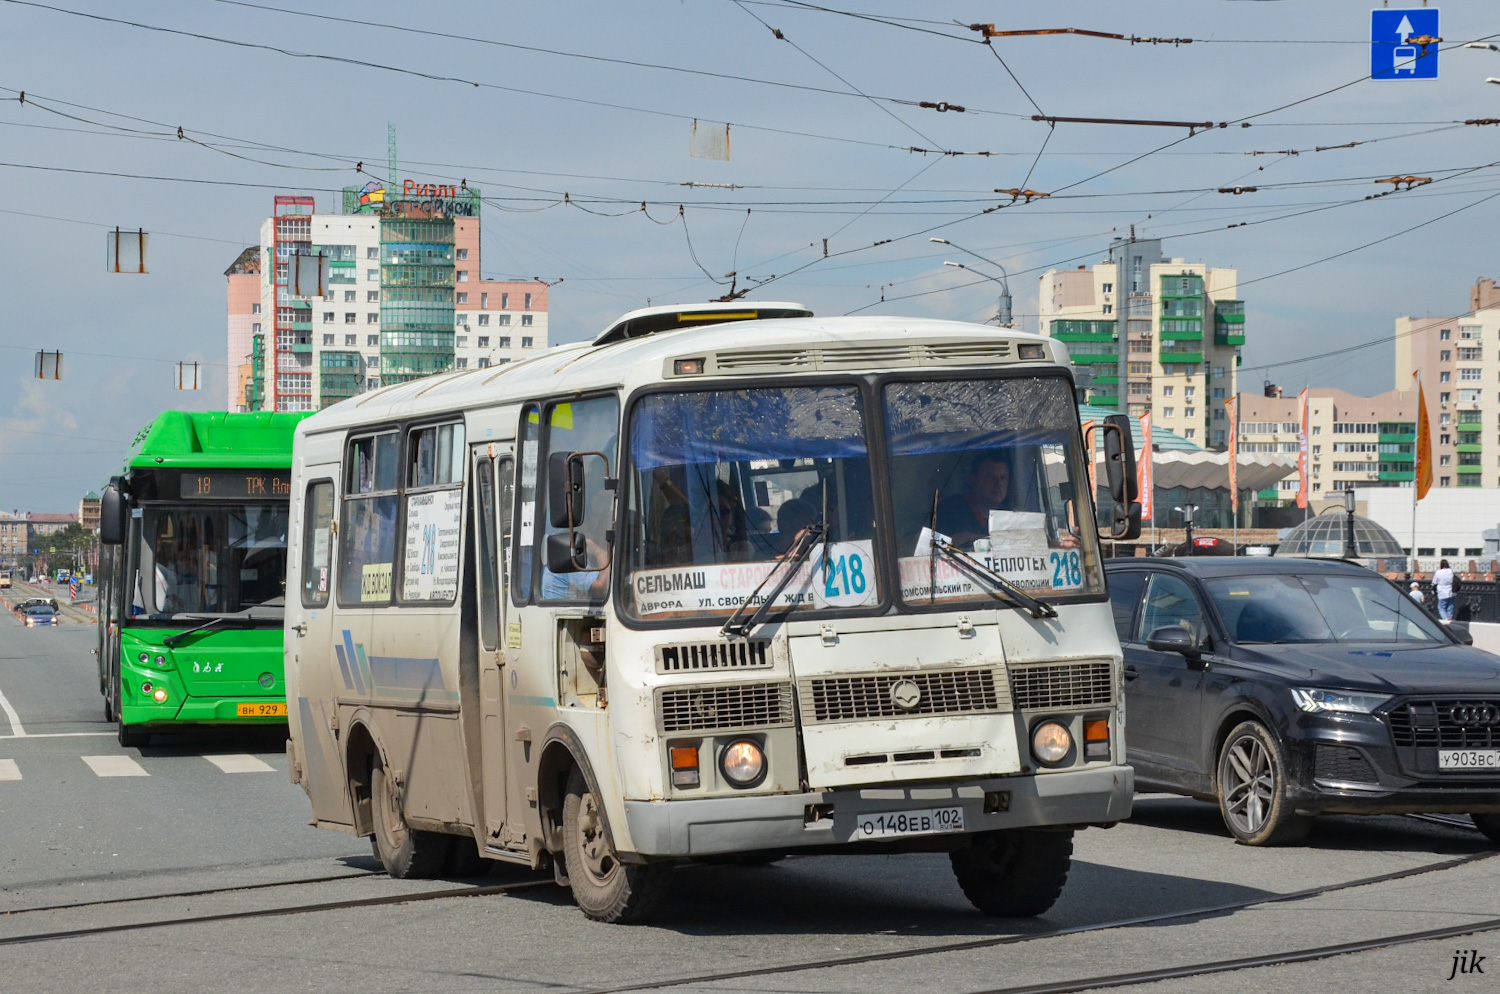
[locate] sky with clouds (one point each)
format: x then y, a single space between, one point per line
574 120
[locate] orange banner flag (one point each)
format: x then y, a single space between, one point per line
1424 442
1302 487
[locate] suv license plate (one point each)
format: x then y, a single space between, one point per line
1469 759
890 824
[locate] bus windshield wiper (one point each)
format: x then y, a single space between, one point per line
790 559
968 564
242 619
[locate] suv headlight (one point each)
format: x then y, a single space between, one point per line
1344 701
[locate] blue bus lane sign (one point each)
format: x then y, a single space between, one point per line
1404 44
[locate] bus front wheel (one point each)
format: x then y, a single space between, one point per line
405 852
606 889
1016 873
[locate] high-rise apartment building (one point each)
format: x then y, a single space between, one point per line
1459 358
1149 333
404 298
1352 441
244 322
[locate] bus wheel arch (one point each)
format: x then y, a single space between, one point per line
561 754
360 756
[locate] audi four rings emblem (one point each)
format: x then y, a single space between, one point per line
1474 714
906 695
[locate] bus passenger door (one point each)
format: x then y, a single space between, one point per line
491 515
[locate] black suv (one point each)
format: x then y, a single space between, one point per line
1286 688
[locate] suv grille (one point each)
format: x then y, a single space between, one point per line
1069 685
1447 724
854 698
730 705
693 657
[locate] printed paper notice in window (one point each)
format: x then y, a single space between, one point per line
432 545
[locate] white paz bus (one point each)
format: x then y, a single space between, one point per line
729 581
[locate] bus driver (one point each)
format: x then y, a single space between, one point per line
965 517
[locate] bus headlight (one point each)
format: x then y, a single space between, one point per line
743 763
160 696
144 658
1050 742
161 660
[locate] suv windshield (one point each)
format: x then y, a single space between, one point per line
219 559
997 467
1260 609
722 483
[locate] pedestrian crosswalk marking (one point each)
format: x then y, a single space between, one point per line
240 763
115 766
9 770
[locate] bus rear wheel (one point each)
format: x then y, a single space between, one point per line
405 852
1017 873
606 889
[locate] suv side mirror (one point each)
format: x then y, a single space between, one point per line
1461 631
1119 470
1171 638
112 516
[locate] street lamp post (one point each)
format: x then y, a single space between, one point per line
1186 511
1351 549
1003 317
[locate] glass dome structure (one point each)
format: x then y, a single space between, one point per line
1322 537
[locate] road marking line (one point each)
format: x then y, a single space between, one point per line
57 735
114 766
9 770
15 720
240 763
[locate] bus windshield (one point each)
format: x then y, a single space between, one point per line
722 485
994 467
220 559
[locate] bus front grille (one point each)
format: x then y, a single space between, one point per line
725 706
1068 685
902 695
693 657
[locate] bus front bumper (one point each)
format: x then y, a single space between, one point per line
822 819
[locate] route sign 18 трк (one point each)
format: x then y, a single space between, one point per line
1392 55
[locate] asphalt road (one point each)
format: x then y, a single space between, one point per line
105 836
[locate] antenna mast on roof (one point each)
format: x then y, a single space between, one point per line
390 154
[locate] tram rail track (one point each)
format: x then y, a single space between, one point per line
202 892
1012 940
272 912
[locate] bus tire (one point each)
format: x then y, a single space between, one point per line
1016 873
133 736
405 852
605 889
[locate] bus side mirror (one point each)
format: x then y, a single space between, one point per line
565 479
111 516
567 552
1119 469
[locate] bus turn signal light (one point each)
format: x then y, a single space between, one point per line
1096 738
684 765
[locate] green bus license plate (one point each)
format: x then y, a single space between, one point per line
260 710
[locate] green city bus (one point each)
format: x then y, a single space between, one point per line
192 574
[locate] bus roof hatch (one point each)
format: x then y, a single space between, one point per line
650 320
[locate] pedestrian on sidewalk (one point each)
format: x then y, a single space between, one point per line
1442 582
1416 592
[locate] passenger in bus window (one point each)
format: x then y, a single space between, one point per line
965 517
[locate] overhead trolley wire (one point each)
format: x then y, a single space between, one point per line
445 78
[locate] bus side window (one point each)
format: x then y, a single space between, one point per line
484 543
317 544
531 428
506 473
